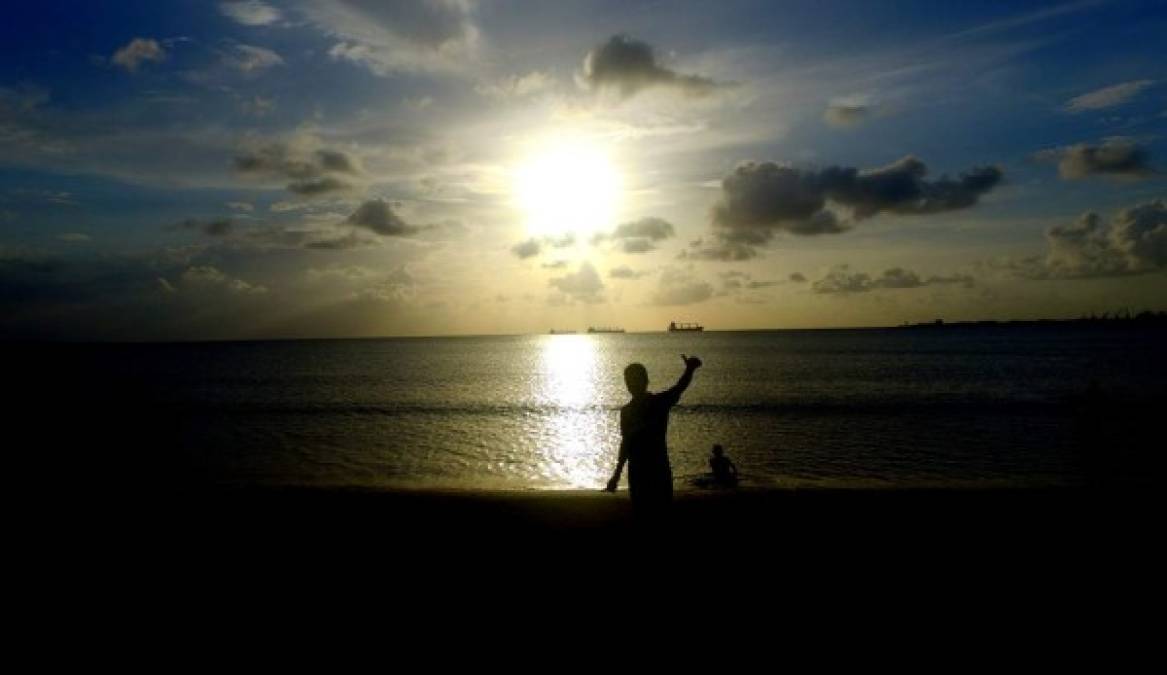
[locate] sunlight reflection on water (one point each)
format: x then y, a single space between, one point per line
571 439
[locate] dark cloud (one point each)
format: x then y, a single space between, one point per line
1133 242
527 249
310 187
760 200
119 297
625 272
841 280
846 115
638 236
535 245
137 52
628 66
680 287
798 278
337 243
655 229
584 285
637 245
309 172
377 215
1113 157
725 251
216 227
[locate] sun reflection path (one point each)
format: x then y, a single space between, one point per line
572 441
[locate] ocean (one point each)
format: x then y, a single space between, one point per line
929 407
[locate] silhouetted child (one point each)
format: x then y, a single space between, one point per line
724 471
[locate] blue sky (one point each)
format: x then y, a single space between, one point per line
193 170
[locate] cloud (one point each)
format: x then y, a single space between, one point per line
258 106
527 249
679 287
638 236
557 265
311 187
138 51
841 280
583 285
625 272
655 229
517 87
841 115
535 245
798 278
1116 157
1134 241
251 60
241 206
350 273
346 242
724 251
628 66
377 215
760 200
1107 97
392 37
209 276
849 111
250 12
310 170
396 286
74 237
217 227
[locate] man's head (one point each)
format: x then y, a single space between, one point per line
717 451
636 377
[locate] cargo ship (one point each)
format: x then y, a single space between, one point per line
675 327
604 329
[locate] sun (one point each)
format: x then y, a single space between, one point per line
567 189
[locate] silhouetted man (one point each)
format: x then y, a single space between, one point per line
644 422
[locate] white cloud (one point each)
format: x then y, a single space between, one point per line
138 51
249 59
1108 97
250 12
433 36
517 86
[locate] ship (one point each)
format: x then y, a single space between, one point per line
604 329
562 332
675 327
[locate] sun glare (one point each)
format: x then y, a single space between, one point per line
567 189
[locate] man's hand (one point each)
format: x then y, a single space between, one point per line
691 362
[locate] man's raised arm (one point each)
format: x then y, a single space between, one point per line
692 363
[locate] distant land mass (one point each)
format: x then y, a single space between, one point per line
1145 318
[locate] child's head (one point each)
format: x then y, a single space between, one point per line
717 451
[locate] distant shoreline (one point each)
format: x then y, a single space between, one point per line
1143 320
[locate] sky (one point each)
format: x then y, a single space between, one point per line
348 168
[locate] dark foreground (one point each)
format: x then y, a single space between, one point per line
806 523
572 553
